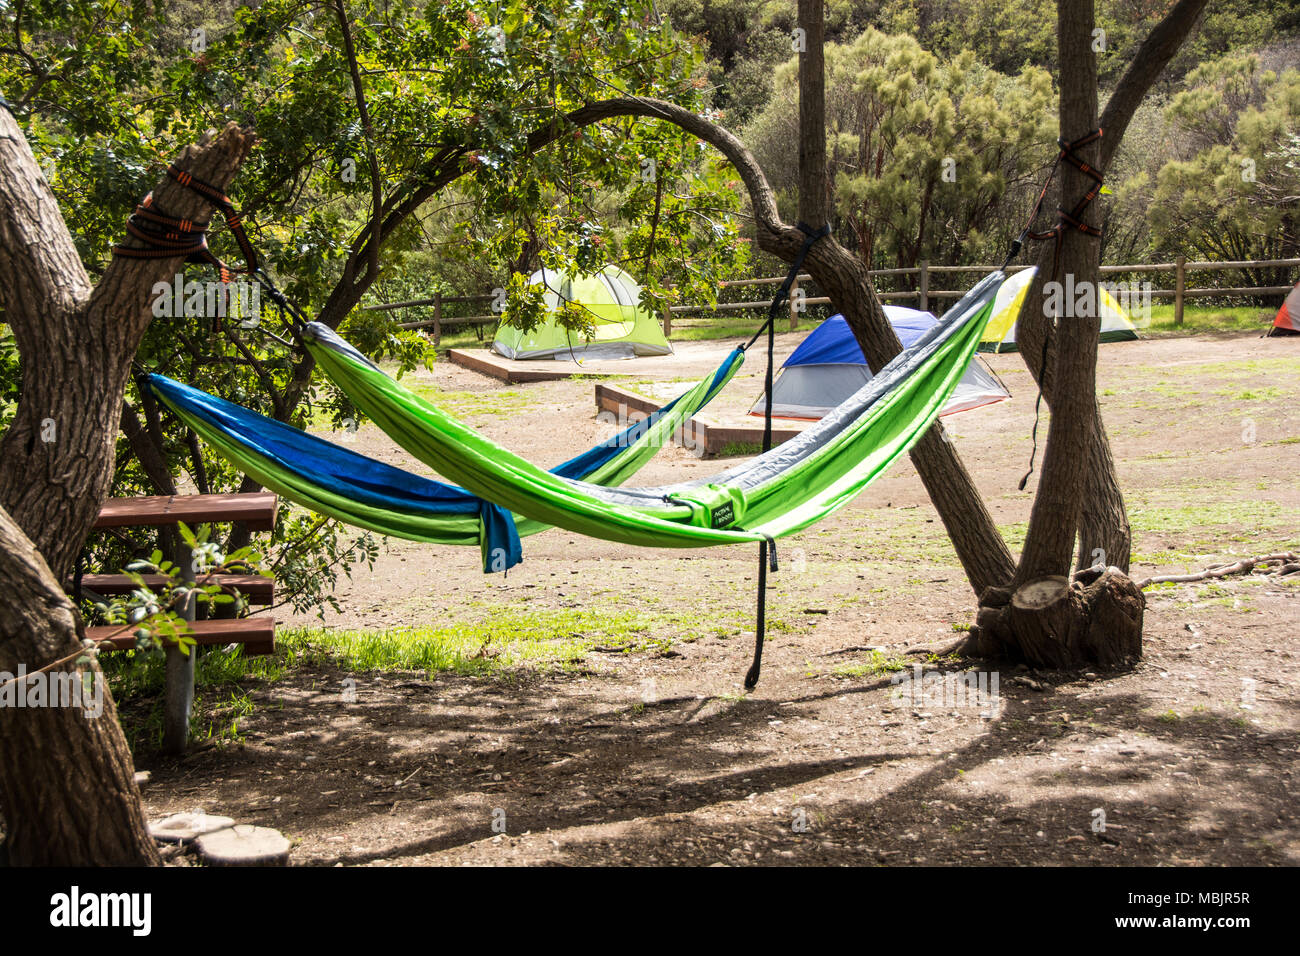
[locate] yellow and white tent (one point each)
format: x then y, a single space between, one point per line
1000 333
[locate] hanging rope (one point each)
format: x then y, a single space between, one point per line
1073 219
767 550
166 236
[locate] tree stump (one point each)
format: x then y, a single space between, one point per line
184 827
244 845
1092 620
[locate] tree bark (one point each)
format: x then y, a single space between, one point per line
1059 624
1042 617
65 781
813 183
982 551
1053 522
1103 522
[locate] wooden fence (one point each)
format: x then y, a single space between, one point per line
921 295
439 321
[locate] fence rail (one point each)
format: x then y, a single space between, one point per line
922 294
438 300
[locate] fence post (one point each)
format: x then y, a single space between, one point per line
437 318
668 316
794 309
923 287
1180 282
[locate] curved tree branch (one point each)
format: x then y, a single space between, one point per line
1160 46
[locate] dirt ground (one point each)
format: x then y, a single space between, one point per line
659 756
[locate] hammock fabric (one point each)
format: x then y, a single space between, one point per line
774 494
361 491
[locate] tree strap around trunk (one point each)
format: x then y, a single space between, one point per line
1072 219
165 236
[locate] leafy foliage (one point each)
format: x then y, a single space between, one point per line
927 156
1232 191
456 94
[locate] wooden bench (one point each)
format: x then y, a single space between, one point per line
256 588
257 634
257 512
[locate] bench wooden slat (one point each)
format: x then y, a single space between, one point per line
256 588
256 510
257 634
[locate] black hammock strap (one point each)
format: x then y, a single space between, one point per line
1072 219
767 550
167 236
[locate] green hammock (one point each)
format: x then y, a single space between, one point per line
774 494
361 491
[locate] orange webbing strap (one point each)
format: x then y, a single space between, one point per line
223 205
1073 218
167 236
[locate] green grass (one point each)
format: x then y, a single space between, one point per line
738 449
1251 394
498 643
506 400
704 326
877 665
136 682
1243 371
729 325
1254 525
1209 319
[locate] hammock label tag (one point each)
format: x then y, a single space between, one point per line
722 515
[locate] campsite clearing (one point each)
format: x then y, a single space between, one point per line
593 695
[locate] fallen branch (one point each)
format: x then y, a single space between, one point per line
1244 566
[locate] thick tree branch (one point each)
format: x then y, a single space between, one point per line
1160 46
376 190
75 343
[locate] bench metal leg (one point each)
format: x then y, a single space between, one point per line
179 699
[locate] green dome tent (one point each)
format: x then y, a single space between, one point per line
610 297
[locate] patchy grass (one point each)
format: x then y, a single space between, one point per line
1197 319
739 449
136 681
506 641
1251 394
502 643
506 400
877 665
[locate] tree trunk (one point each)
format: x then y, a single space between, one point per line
1043 618
67 790
1060 624
845 278
66 778
1103 522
